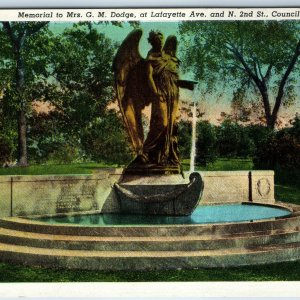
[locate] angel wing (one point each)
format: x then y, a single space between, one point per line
170 47
126 59
129 71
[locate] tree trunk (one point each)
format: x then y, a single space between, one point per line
271 123
22 139
267 108
273 120
22 124
279 98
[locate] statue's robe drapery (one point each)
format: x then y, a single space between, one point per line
160 146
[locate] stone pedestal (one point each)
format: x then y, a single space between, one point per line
151 170
262 186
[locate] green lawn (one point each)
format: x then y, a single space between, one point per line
88 168
287 189
283 271
287 186
83 168
286 193
222 164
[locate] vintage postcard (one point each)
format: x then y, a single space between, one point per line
150 144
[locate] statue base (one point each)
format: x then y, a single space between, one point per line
136 168
159 198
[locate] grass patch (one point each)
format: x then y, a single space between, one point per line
84 168
287 185
282 271
289 177
222 164
88 168
286 193
228 165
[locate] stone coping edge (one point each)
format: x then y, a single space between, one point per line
294 209
281 205
118 172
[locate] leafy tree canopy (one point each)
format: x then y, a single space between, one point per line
82 76
259 58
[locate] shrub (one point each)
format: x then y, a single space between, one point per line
281 149
246 145
6 150
106 140
8 140
234 140
184 139
65 154
8 134
48 142
206 144
259 134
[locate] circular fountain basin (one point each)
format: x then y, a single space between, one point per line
204 214
213 236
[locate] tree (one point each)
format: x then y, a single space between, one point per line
234 140
105 139
81 69
71 72
206 143
79 92
184 139
257 56
240 112
228 135
280 150
81 66
7 136
20 54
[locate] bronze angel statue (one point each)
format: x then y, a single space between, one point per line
154 80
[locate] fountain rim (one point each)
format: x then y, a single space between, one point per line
30 220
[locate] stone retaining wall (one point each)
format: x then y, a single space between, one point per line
238 186
53 194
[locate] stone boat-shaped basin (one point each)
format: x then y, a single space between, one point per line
161 199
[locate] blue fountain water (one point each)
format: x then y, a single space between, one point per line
205 214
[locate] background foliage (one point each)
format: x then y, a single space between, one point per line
70 74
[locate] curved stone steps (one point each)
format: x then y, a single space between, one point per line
150 247
149 243
146 260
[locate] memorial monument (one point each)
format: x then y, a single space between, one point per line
140 82
154 80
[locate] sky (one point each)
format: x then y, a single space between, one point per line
211 105
118 34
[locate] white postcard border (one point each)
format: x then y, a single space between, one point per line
149 14
150 289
